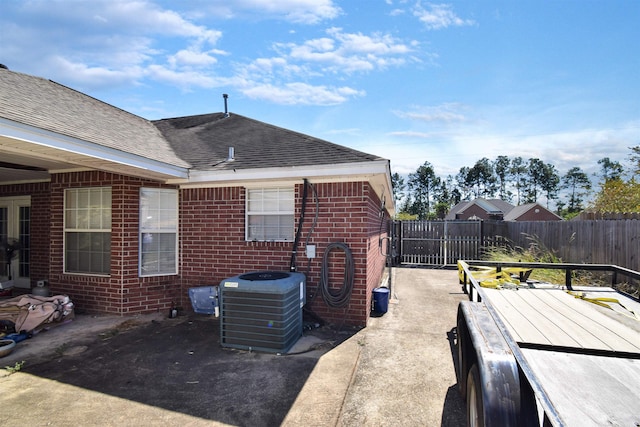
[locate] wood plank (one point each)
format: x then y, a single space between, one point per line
542 317
589 390
578 324
590 317
511 321
553 317
521 323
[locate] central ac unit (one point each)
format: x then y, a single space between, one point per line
262 310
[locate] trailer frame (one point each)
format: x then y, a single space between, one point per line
489 355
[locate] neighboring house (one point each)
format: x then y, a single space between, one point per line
497 209
478 209
531 212
124 215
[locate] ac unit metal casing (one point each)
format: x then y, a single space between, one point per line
262 310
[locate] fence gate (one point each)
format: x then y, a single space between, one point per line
437 242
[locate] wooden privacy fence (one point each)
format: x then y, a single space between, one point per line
436 242
444 242
593 242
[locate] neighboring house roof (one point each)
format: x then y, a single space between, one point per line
457 208
501 205
500 208
204 142
45 104
493 207
519 212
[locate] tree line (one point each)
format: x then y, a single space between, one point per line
424 195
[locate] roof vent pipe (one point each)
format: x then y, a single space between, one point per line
226 111
232 153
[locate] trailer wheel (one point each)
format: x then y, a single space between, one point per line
475 404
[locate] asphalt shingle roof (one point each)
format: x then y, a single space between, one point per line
48 105
197 142
204 142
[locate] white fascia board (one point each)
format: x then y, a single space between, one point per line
69 144
377 172
319 173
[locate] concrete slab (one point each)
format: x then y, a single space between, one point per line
151 370
406 375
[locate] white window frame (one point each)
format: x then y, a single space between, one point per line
157 217
258 209
94 218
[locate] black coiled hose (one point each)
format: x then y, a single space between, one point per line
337 298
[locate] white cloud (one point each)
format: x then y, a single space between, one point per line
275 79
147 18
94 77
298 11
295 11
378 44
439 16
140 42
122 42
301 94
188 58
445 113
346 53
182 79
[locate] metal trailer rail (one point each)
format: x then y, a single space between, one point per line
477 293
568 268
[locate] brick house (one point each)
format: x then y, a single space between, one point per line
124 215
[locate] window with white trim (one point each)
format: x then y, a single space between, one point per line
270 214
158 231
87 230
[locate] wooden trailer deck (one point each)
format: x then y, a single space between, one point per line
586 357
554 317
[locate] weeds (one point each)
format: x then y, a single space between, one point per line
536 251
15 368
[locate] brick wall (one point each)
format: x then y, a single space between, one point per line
123 292
212 238
378 226
213 245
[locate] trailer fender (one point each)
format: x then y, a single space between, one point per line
483 345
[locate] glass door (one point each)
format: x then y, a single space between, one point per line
15 240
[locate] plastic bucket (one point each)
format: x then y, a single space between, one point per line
204 299
381 300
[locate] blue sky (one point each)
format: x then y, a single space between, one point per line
411 81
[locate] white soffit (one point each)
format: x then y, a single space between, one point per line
375 172
42 144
